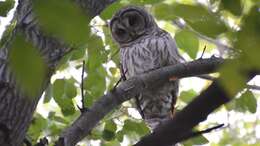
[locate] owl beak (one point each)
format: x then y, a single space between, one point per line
132 33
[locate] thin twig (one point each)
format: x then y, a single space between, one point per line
122 78
208 130
253 87
83 108
82 85
198 133
204 49
206 77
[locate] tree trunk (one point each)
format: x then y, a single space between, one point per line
17 108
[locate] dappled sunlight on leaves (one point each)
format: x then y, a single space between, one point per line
234 22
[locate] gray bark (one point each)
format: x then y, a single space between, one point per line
16 109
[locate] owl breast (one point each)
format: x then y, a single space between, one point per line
145 54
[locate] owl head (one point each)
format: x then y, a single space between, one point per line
131 23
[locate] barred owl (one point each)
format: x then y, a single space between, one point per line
144 47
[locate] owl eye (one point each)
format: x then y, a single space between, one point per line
121 35
135 20
120 32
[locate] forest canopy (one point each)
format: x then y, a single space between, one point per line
229 29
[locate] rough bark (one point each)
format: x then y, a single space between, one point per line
128 89
17 108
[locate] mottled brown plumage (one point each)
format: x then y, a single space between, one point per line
144 47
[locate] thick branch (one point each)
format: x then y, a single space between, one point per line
177 129
128 89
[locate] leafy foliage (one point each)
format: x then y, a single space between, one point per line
197 16
63 92
5 7
236 22
187 41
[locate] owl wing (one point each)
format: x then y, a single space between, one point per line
173 57
170 47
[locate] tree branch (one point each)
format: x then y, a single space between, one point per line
128 89
175 130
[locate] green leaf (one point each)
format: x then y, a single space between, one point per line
27 65
96 134
199 140
113 47
113 70
120 135
248 39
138 127
7 33
95 84
231 78
37 126
70 89
111 10
110 125
233 6
58 88
247 102
108 135
65 20
52 116
6 6
197 16
187 96
143 2
48 94
78 53
55 129
63 92
111 143
96 53
164 11
187 41
109 130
